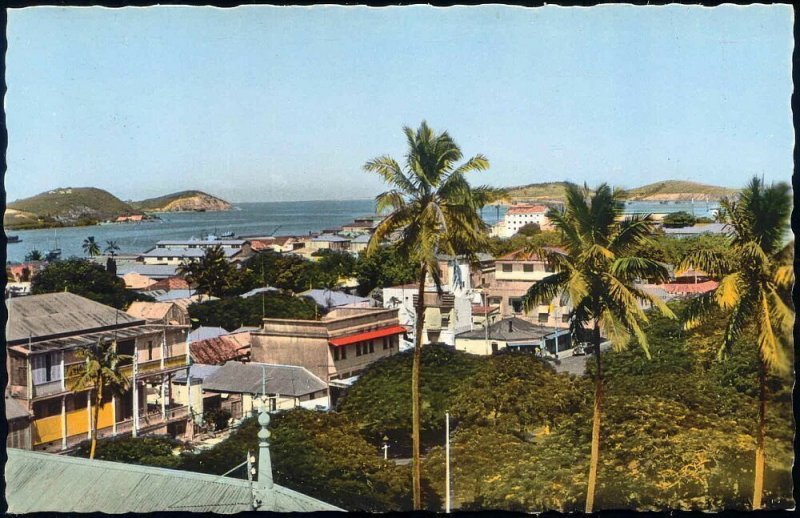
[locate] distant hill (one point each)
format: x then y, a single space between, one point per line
668 190
677 190
65 206
182 202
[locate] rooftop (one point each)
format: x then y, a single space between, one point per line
217 350
155 271
45 482
331 238
510 329
180 251
527 209
330 298
205 332
246 378
190 241
60 314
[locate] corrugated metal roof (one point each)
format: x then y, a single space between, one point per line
332 299
51 314
217 350
519 330
203 242
149 310
69 342
45 482
206 332
245 378
154 271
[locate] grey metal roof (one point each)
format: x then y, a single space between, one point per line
331 238
205 332
331 299
70 342
256 291
363 238
180 294
520 330
154 271
59 314
45 482
204 242
707 228
199 372
186 252
246 378
15 409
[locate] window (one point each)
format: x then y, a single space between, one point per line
344 352
527 268
494 301
358 349
46 368
516 304
565 318
543 317
371 346
508 268
335 354
47 408
446 320
149 350
385 343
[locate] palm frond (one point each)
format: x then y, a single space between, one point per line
544 291
729 292
697 310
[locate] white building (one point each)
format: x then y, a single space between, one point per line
175 252
518 216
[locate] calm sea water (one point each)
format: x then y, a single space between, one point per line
268 218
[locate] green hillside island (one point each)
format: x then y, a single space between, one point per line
668 190
65 206
184 201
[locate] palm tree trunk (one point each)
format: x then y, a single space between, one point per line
598 399
415 396
758 485
96 416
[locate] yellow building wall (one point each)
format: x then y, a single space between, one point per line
47 429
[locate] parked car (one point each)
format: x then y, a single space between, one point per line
582 349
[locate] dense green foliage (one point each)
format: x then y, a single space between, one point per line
382 269
234 312
381 399
84 278
161 202
72 203
150 450
529 229
678 220
294 273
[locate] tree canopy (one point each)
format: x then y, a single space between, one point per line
233 312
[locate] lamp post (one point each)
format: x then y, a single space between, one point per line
447 462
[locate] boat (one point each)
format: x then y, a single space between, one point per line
227 234
13 239
53 255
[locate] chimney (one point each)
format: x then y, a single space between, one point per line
510 326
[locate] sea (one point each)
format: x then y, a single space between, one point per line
248 219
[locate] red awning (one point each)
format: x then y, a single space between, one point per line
370 335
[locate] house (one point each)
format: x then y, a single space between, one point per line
176 252
327 299
514 274
330 241
515 334
40 482
170 284
517 216
338 346
43 335
164 313
235 387
481 314
23 272
137 281
360 243
152 271
135 218
363 225
698 230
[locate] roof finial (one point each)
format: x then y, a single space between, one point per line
265 495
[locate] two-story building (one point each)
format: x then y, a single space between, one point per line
175 252
517 216
514 274
338 346
333 242
43 336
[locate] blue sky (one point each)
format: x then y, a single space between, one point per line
269 103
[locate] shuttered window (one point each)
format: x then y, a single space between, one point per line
46 368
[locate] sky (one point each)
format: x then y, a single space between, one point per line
265 103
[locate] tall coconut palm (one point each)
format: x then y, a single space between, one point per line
433 209
595 275
211 272
755 284
99 371
90 247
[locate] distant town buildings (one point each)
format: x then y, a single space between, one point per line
517 216
176 252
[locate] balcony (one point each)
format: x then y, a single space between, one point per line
47 389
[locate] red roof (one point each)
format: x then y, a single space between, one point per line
700 287
217 351
170 283
527 209
370 335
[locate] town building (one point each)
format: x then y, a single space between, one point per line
698 230
328 299
164 313
216 350
515 334
360 243
236 387
151 271
514 274
43 335
338 346
137 281
517 216
176 252
363 225
333 242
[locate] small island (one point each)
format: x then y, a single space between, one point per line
85 206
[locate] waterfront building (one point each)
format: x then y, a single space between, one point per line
517 216
333 242
338 346
176 252
43 335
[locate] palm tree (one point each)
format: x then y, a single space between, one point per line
433 210
755 283
34 255
99 371
90 247
111 248
595 275
211 273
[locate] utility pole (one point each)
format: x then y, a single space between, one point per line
447 462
